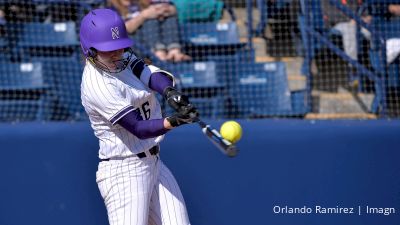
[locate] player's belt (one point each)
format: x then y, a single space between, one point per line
153 151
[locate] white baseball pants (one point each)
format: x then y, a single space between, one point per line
140 192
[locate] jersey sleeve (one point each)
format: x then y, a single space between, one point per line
110 100
143 71
154 69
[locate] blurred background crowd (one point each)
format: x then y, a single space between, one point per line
317 59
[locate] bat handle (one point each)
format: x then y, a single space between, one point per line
200 122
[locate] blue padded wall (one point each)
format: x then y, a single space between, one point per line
48 173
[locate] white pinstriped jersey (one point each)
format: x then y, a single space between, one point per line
107 98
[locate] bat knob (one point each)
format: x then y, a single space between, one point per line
232 151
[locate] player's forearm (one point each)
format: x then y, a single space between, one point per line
143 129
150 128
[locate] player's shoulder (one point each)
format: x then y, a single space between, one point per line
90 70
94 81
92 74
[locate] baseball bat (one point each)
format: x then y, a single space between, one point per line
226 147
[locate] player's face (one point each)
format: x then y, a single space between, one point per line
111 58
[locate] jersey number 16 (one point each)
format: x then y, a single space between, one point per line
146 110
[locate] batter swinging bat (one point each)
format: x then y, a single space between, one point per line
215 137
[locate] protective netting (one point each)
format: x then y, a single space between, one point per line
237 59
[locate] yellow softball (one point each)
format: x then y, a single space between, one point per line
231 131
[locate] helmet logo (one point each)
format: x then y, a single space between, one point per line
114 32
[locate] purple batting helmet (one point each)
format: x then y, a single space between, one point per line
104 30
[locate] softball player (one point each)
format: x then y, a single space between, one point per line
117 92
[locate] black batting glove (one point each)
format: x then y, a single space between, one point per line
176 99
190 116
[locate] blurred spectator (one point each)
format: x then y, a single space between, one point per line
394 9
199 10
23 11
154 24
2 31
275 9
387 17
384 9
2 17
337 20
60 12
390 12
19 11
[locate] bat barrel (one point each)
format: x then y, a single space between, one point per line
216 138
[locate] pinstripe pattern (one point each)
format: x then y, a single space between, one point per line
106 99
135 191
141 191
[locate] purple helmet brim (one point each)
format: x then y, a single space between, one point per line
114 45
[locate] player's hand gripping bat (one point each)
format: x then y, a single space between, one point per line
181 104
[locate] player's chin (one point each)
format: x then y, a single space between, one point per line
116 58
109 68
115 69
